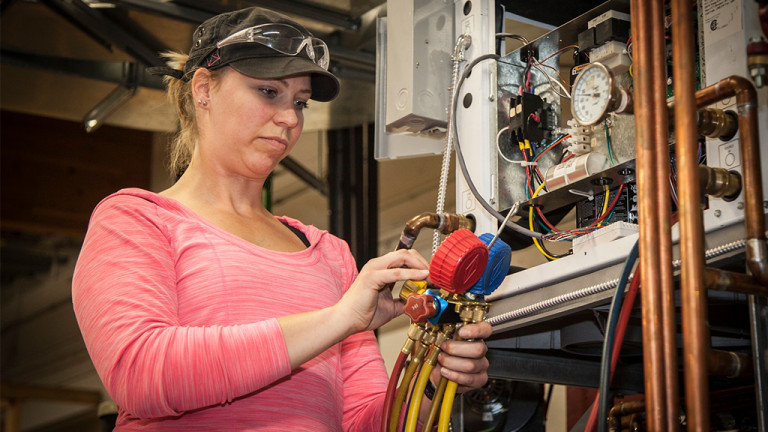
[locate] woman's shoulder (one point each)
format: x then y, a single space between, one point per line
135 198
315 235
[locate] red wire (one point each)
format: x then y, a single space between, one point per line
607 212
621 329
391 390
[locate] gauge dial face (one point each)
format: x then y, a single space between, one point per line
591 94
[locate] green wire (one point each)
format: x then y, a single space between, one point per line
608 142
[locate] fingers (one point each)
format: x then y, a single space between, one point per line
407 258
464 362
480 330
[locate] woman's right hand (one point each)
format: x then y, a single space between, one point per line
369 303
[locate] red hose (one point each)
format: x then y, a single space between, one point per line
391 390
621 328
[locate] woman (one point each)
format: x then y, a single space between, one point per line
200 309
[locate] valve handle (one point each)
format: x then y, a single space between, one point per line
459 262
420 307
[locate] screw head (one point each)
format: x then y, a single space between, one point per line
718 213
740 205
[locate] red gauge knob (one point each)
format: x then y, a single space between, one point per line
419 307
459 262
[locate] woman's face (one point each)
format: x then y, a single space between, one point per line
254 123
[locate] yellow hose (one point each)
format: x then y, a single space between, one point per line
435 406
402 391
445 410
418 395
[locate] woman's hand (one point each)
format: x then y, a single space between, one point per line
464 362
368 303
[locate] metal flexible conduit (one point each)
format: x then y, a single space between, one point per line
458 56
594 289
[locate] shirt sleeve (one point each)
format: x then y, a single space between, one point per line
124 296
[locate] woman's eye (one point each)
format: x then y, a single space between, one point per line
269 92
300 104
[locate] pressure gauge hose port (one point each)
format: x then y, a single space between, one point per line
459 262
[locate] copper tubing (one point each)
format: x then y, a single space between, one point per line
749 144
730 364
664 209
623 409
644 26
722 280
696 338
445 223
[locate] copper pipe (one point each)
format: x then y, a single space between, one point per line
643 28
696 338
730 364
722 280
445 223
749 144
623 409
664 208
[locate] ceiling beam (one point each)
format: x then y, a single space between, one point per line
115 72
96 25
179 12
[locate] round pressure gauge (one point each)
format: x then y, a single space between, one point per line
593 94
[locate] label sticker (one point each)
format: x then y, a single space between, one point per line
722 18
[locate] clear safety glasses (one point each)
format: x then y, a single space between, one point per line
284 39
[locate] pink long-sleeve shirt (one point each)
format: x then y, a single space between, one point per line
179 318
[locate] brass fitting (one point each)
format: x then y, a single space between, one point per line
412 287
430 336
716 123
415 333
719 182
442 336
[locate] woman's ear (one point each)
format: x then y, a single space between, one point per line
201 86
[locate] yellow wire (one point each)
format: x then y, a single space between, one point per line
530 225
418 395
605 204
445 409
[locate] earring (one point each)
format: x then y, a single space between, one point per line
202 102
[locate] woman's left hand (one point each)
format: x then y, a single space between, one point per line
463 361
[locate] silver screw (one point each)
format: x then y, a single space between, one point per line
740 205
718 213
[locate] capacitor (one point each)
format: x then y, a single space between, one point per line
574 170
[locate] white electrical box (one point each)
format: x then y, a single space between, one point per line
418 72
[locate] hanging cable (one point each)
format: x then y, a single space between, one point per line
460 157
462 43
610 331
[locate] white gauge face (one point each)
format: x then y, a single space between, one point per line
591 94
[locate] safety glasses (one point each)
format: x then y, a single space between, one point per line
284 39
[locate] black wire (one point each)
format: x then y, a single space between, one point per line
460 157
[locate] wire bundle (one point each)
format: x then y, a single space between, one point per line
605 216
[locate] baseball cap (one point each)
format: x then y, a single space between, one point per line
260 43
